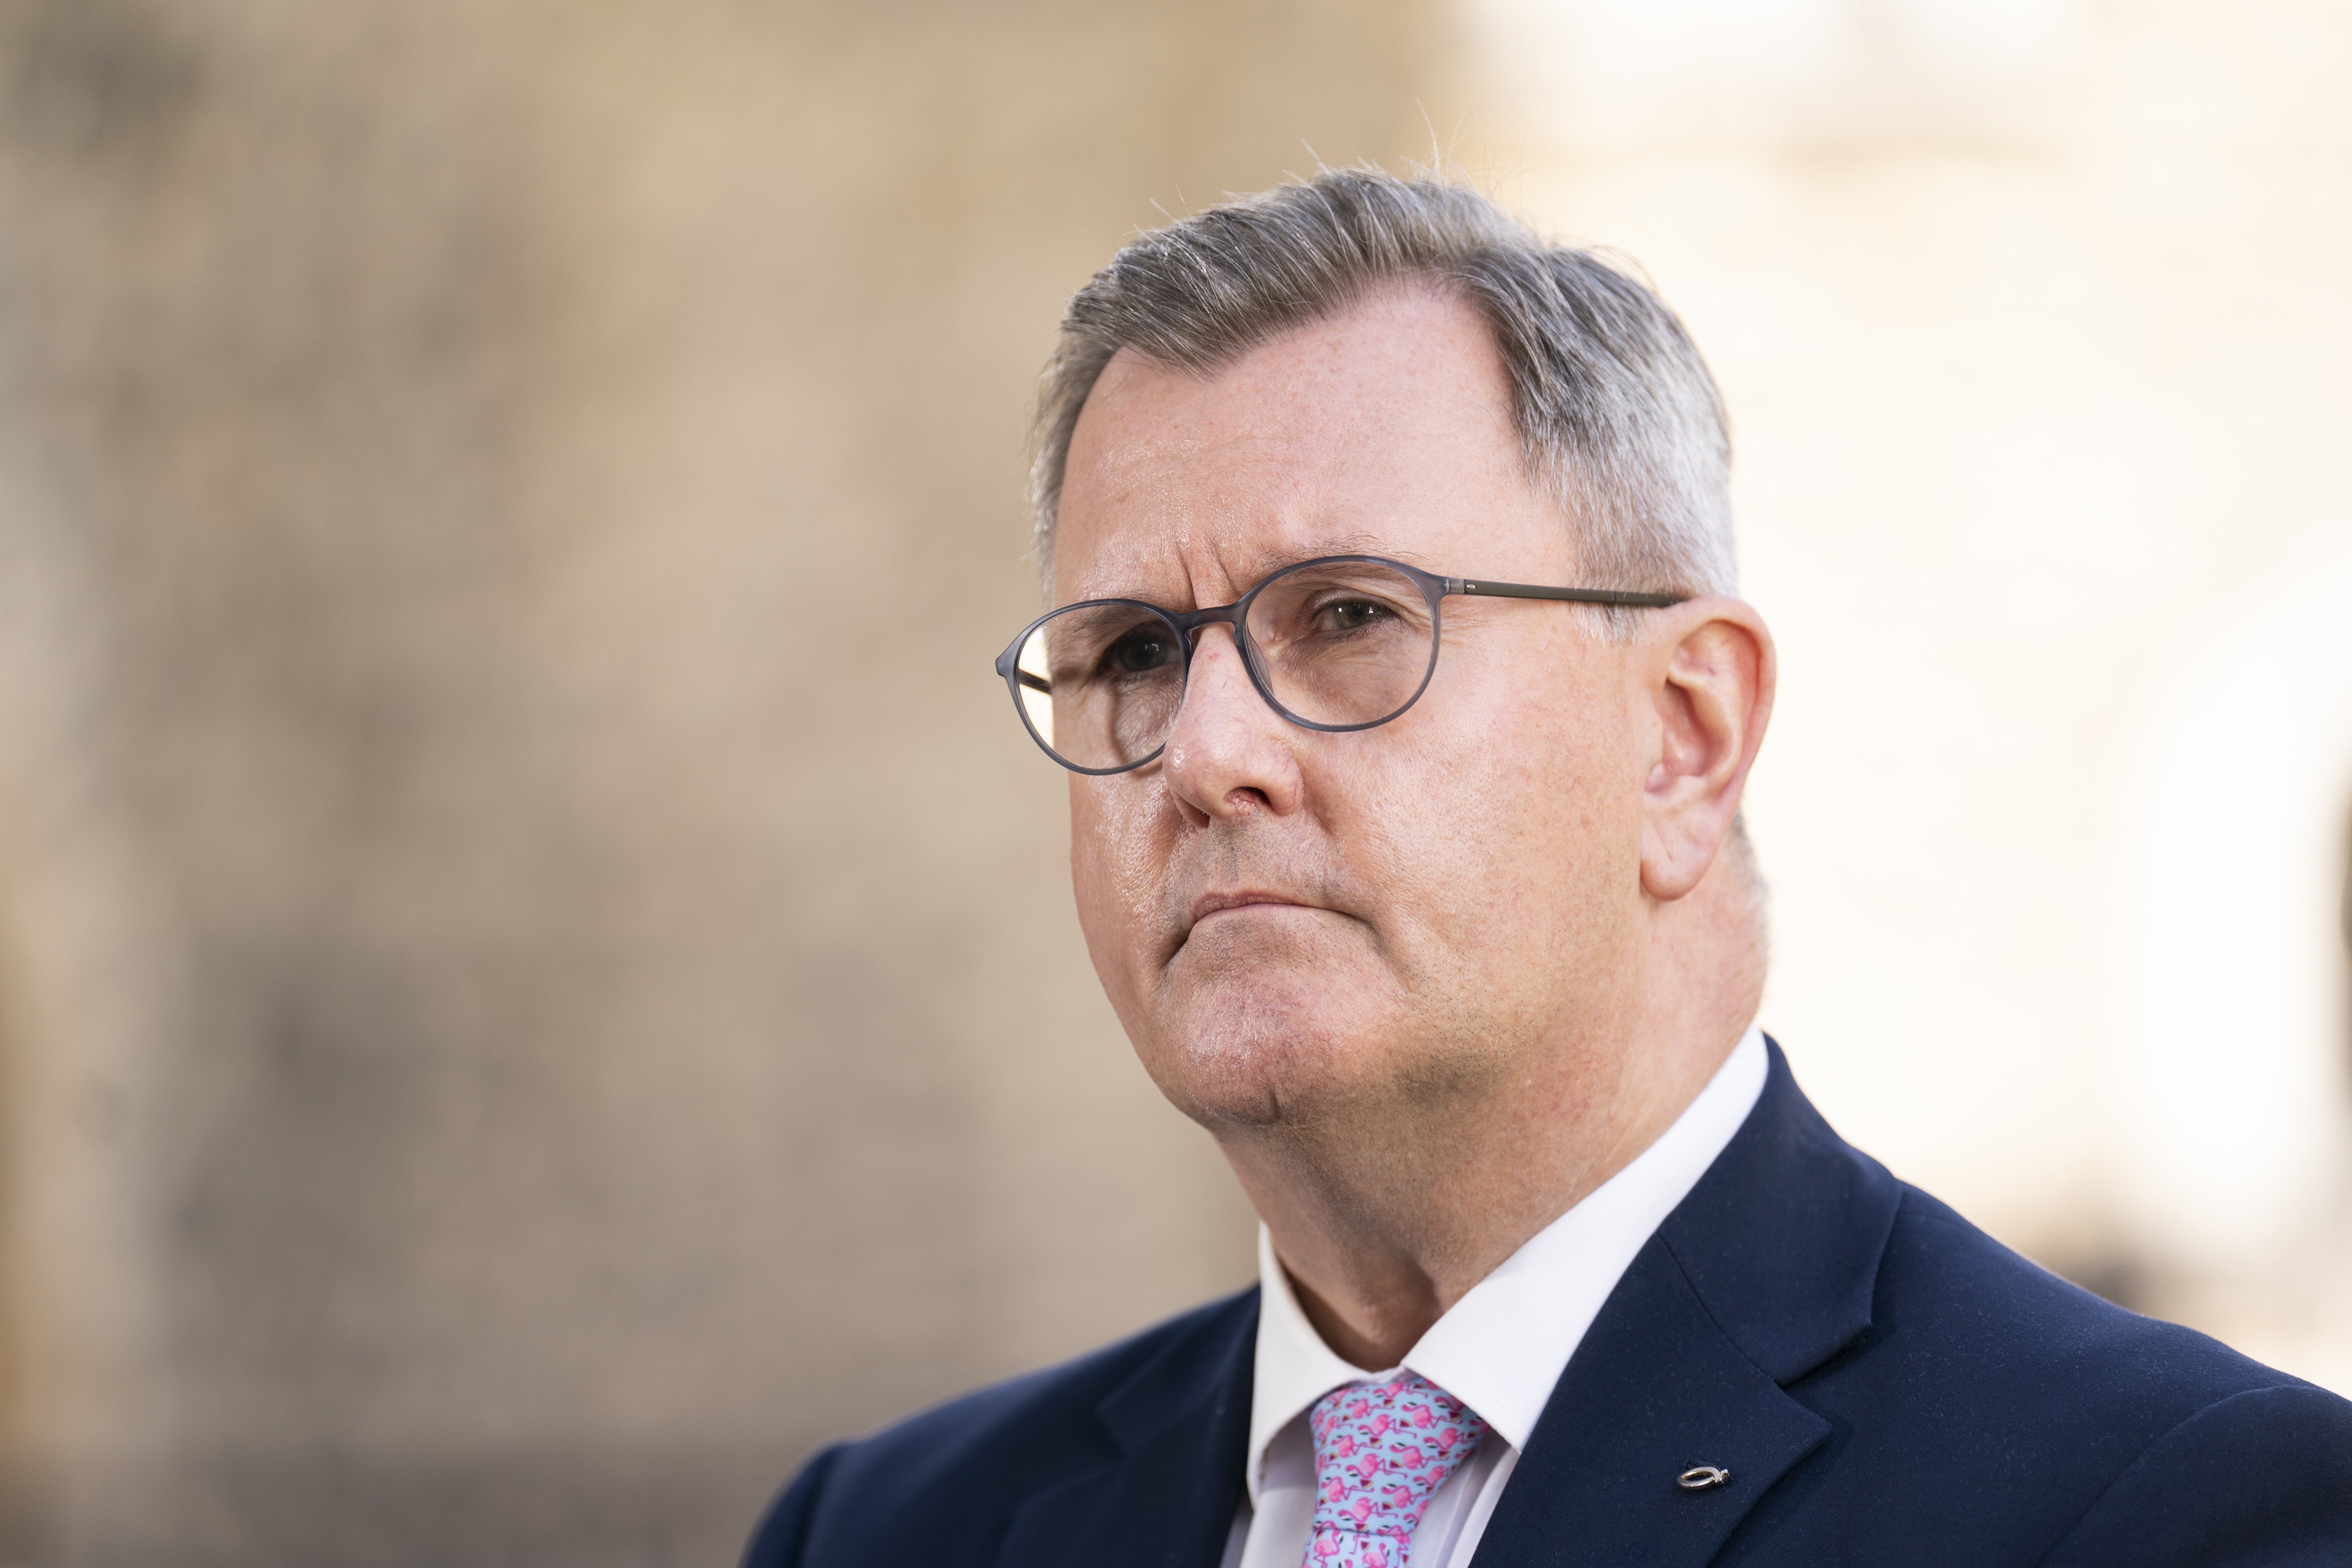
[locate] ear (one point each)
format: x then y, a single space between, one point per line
1704 677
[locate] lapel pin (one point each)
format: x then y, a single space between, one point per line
1698 1477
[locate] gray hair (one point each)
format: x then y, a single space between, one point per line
1618 419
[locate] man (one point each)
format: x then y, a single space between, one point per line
1407 710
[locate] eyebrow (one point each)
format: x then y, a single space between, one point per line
1342 544
1267 563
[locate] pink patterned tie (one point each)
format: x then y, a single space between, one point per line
1381 1450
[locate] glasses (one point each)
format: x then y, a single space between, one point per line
1339 642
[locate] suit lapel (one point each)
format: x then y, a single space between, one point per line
1654 1389
1764 1272
1181 1426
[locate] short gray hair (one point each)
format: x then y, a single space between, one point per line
1618 418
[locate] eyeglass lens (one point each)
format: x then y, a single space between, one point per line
1101 683
1338 644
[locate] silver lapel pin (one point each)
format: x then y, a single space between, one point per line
1698 1477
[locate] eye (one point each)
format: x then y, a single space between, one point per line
1139 652
1353 615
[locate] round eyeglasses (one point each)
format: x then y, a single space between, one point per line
1341 642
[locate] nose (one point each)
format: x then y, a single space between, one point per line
1230 753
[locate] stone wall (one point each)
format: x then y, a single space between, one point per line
536 980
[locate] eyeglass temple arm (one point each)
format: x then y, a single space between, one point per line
1572 595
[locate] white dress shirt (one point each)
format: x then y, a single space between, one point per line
1499 1349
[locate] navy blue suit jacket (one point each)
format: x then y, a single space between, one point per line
1885 1383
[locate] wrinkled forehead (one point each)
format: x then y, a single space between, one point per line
1379 432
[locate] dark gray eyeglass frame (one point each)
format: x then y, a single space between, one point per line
1186 625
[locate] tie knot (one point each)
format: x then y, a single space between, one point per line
1381 1450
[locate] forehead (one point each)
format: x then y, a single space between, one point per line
1385 430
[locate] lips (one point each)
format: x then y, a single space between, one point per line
1211 903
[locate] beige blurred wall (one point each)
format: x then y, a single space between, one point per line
536 980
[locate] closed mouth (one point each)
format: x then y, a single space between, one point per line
1216 903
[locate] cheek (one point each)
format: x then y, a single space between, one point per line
1118 866
1505 827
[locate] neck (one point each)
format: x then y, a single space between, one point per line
1385 1213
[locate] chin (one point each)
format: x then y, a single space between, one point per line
1270 1047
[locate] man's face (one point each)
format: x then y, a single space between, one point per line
1291 923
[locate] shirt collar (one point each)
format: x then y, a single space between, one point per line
1501 1348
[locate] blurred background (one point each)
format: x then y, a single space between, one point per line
537 981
